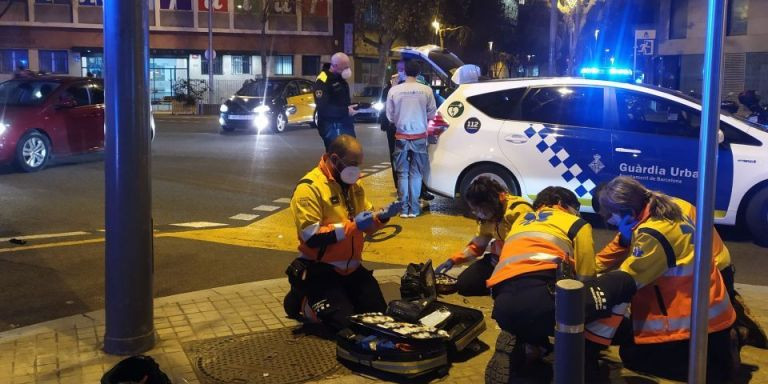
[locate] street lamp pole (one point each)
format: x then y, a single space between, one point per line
211 56
552 36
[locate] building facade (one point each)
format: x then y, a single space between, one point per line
65 37
681 37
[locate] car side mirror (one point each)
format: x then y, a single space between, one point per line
290 109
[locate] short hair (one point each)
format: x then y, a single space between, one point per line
412 68
341 145
551 196
483 190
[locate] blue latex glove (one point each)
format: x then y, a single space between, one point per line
626 224
391 210
364 220
444 267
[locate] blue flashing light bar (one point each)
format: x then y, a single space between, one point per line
610 73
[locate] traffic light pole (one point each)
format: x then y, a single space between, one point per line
552 36
128 207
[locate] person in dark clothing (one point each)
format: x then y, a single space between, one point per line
387 126
334 106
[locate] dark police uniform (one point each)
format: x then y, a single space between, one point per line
332 99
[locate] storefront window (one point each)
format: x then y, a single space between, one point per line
12 60
241 65
92 65
54 61
283 65
164 73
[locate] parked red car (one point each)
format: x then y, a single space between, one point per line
44 116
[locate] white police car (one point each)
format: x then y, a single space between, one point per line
578 133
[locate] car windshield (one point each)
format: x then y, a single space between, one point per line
26 92
446 60
261 88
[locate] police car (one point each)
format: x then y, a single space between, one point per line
578 133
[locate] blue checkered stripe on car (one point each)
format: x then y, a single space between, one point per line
545 140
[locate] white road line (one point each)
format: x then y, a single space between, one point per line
282 200
244 217
266 208
379 166
385 163
46 236
370 170
199 224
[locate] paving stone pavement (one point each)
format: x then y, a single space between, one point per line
68 350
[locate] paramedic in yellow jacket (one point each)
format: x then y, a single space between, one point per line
332 216
496 211
750 331
551 238
657 279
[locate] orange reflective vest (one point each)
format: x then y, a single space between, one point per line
541 238
661 261
321 207
495 231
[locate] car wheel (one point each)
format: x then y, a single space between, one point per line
281 122
33 152
756 216
495 172
225 128
314 120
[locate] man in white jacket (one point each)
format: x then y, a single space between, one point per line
409 107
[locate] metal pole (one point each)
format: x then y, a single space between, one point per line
128 208
552 36
569 332
705 199
211 57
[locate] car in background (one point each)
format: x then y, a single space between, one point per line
270 104
370 104
51 116
578 133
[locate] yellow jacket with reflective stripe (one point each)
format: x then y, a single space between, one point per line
548 232
319 206
516 207
613 253
661 261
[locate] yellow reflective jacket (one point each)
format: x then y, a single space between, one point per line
324 214
661 261
493 230
542 235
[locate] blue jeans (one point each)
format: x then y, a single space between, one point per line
412 163
330 130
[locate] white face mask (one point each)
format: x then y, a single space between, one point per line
346 74
615 219
350 175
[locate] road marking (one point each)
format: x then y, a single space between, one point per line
380 166
45 236
385 163
199 224
51 245
266 208
370 170
244 217
283 200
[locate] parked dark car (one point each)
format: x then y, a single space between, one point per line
370 104
269 104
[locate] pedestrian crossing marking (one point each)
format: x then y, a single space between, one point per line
266 208
199 224
244 217
379 166
283 200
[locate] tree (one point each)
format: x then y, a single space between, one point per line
382 22
270 8
575 14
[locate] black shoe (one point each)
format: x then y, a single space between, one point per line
506 360
427 196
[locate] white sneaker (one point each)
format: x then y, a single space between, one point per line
404 215
412 215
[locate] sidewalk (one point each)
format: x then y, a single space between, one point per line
241 332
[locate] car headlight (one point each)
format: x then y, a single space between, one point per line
261 122
223 108
379 106
3 127
261 108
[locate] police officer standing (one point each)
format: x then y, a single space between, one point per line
334 106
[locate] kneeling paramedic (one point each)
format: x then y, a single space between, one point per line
332 215
549 243
496 211
656 278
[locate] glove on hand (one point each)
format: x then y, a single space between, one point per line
364 220
391 210
444 267
626 225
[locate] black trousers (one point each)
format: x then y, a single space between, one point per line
525 307
334 297
471 282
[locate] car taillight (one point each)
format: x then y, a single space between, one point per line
437 126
